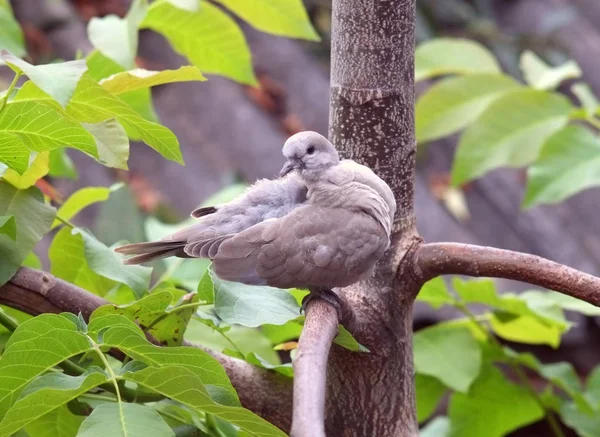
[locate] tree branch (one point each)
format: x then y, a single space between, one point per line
264 392
437 259
310 369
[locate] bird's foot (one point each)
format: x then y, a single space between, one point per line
345 314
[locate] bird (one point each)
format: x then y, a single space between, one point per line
323 224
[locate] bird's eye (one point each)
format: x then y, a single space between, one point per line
310 150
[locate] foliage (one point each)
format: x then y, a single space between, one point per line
510 124
57 374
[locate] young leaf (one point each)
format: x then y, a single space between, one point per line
209 38
586 97
111 141
493 407
449 354
435 293
93 104
542 76
36 346
8 226
429 393
347 341
454 103
569 163
182 385
586 425
58 80
282 369
138 79
548 302
253 306
61 165
59 422
47 393
498 137
36 170
32 219
279 17
526 329
30 126
124 420
11 36
116 37
82 199
452 56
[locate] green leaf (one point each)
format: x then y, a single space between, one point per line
111 141
452 56
60 422
569 163
182 385
117 38
124 420
450 354
8 226
206 288
253 306
430 392
32 218
61 165
454 103
438 427
122 208
510 132
68 262
592 391
435 293
586 425
279 17
101 67
58 80
542 76
29 126
282 369
106 262
492 408
139 78
36 170
551 301
93 104
81 199
525 329
209 38
32 260
45 394
586 97
36 346
347 341
11 36
126 336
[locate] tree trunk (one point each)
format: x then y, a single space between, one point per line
372 121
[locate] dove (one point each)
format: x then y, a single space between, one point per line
324 223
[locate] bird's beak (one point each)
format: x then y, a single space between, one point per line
287 167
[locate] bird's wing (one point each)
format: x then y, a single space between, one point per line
263 200
310 247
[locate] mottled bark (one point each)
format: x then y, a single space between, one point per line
262 391
372 121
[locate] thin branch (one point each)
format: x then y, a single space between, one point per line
264 392
310 369
437 259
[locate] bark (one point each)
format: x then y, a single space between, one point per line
264 392
372 121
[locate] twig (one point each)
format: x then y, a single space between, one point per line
310 369
264 392
437 259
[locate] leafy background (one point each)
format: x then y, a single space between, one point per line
509 102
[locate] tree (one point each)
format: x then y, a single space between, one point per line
372 121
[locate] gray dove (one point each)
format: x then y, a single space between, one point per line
323 224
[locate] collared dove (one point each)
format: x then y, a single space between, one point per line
323 224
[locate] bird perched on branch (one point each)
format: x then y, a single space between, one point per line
323 224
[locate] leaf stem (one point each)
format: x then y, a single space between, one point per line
7 321
9 91
549 414
65 222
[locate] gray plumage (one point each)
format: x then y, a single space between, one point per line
324 223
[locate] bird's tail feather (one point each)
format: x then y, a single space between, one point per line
151 251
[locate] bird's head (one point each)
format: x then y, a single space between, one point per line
308 152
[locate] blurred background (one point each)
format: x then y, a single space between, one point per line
231 133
